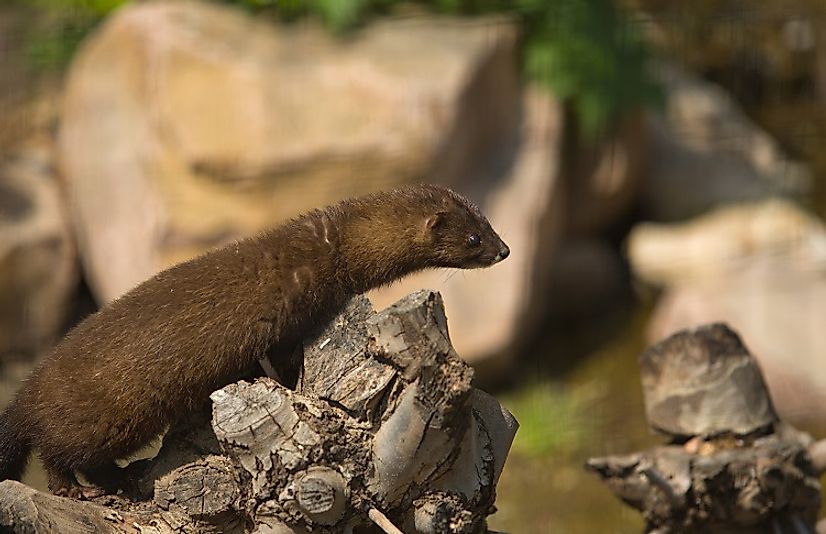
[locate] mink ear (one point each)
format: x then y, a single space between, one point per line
435 220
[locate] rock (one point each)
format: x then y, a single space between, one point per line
189 124
762 270
720 243
778 308
38 273
704 382
704 152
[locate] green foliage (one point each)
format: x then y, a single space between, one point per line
584 51
97 8
60 26
553 419
47 48
589 55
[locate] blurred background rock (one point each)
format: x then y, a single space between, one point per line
652 165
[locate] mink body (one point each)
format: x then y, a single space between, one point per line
125 373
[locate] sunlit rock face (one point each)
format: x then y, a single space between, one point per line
761 268
187 125
38 270
705 152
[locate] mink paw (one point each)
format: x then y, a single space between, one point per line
81 493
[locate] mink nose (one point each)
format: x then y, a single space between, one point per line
504 252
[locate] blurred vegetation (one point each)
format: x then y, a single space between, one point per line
553 418
585 51
595 409
769 55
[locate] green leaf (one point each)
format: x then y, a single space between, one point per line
581 50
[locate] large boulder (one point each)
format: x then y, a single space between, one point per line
38 271
761 269
704 152
719 243
187 125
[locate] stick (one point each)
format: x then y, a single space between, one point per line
383 523
658 480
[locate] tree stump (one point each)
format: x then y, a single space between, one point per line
731 466
384 423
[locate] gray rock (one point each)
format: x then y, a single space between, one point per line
761 268
704 152
704 382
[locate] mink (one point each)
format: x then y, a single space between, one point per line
123 375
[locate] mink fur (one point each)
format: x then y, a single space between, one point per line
125 373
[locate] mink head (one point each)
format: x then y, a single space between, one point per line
459 235
387 235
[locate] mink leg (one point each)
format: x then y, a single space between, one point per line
108 477
62 482
288 363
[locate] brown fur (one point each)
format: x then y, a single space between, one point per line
125 373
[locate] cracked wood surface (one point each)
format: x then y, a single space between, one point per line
732 466
383 417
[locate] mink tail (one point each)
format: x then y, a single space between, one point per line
15 445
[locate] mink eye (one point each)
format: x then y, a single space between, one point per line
474 240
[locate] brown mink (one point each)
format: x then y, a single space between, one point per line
124 374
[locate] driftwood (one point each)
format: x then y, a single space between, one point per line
731 466
383 432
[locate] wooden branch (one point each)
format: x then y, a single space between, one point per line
383 523
739 469
26 510
384 417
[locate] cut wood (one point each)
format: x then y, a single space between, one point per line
383 418
732 466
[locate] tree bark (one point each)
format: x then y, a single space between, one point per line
732 466
383 422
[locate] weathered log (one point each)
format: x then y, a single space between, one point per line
385 407
204 491
383 423
24 510
733 466
728 489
